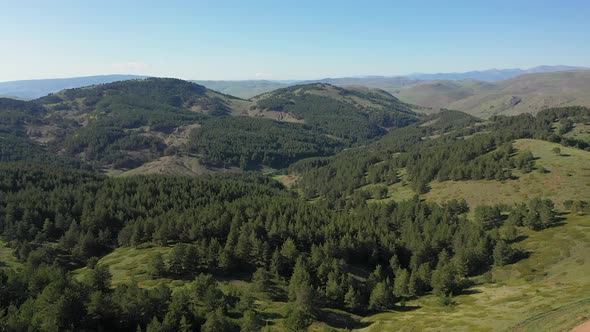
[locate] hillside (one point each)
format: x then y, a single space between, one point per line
435 95
123 125
544 292
354 114
564 177
384 83
528 93
337 249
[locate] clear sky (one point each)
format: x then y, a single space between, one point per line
278 39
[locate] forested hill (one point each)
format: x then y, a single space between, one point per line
354 114
450 145
136 123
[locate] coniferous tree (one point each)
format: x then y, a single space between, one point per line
156 266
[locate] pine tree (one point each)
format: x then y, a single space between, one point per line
154 325
352 299
502 253
99 278
401 283
297 319
300 279
276 265
250 322
443 278
333 289
381 297
156 267
175 258
215 321
260 280
185 325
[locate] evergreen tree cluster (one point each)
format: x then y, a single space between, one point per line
57 219
448 146
251 142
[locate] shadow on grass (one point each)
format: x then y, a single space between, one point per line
559 220
406 308
341 320
557 223
469 291
465 287
519 238
277 293
268 318
520 254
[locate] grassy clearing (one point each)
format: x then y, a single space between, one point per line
581 132
568 178
130 264
7 258
398 191
287 180
549 291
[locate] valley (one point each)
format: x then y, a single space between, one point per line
311 207
309 166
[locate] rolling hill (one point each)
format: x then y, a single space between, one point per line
493 75
528 93
173 125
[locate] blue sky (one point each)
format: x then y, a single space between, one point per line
287 39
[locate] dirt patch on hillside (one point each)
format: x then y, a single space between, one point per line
584 327
180 135
176 165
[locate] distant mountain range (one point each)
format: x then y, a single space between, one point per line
493 75
31 89
528 93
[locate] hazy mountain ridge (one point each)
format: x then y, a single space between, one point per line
493 75
527 93
243 89
31 89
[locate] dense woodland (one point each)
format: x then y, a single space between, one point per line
250 142
338 118
60 219
322 244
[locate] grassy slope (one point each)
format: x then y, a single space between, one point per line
7 258
437 94
549 291
580 132
128 264
568 178
536 92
